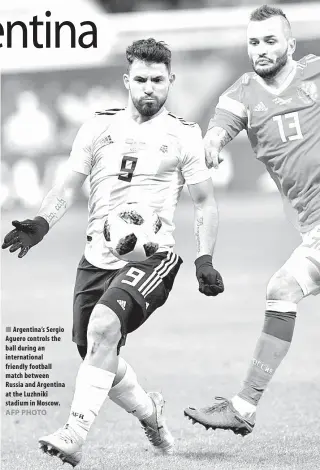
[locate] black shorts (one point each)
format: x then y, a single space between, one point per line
133 292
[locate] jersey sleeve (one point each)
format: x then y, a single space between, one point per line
312 62
81 155
231 112
193 165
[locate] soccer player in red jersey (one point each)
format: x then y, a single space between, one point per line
140 153
278 104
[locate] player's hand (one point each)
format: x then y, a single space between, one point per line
213 156
210 280
25 235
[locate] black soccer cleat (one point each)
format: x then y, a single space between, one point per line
221 416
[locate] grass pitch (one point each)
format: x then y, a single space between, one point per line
192 349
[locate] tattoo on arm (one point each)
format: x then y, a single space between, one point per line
50 217
53 215
60 203
218 136
199 223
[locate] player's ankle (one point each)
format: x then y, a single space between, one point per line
244 407
78 427
144 410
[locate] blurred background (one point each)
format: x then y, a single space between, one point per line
194 348
46 94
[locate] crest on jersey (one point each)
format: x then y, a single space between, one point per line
308 92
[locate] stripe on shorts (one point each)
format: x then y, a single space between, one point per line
158 274
172 265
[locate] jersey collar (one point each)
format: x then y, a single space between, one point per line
163 113
283 86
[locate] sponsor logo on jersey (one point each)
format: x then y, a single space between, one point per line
122 304
281 101
308 92
260 107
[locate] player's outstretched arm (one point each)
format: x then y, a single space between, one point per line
61 197
30 232
206 228
214 141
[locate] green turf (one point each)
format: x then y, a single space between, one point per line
193 349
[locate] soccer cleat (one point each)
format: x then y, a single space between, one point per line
65 444
155 426
221 416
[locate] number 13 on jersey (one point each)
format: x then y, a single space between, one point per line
286 122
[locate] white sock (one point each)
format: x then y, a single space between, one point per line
91 390
130 396
245 408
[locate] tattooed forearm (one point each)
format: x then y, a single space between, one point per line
198 225
61 203
54 206
206 220
49 217
205 227
214 141
217 137
61 197
56 203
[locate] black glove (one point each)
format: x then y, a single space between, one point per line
210 280
25 235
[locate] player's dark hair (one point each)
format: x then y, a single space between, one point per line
266 11
149 50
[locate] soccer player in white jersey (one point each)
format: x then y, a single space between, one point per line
140 153
279 106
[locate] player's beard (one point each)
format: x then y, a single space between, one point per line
148 108
274 68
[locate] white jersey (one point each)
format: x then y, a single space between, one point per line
131 162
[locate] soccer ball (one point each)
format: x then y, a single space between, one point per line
130 231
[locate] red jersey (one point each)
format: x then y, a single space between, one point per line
284 131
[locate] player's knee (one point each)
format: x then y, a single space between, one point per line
283 286
104 326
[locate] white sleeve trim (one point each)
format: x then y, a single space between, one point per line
233 106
